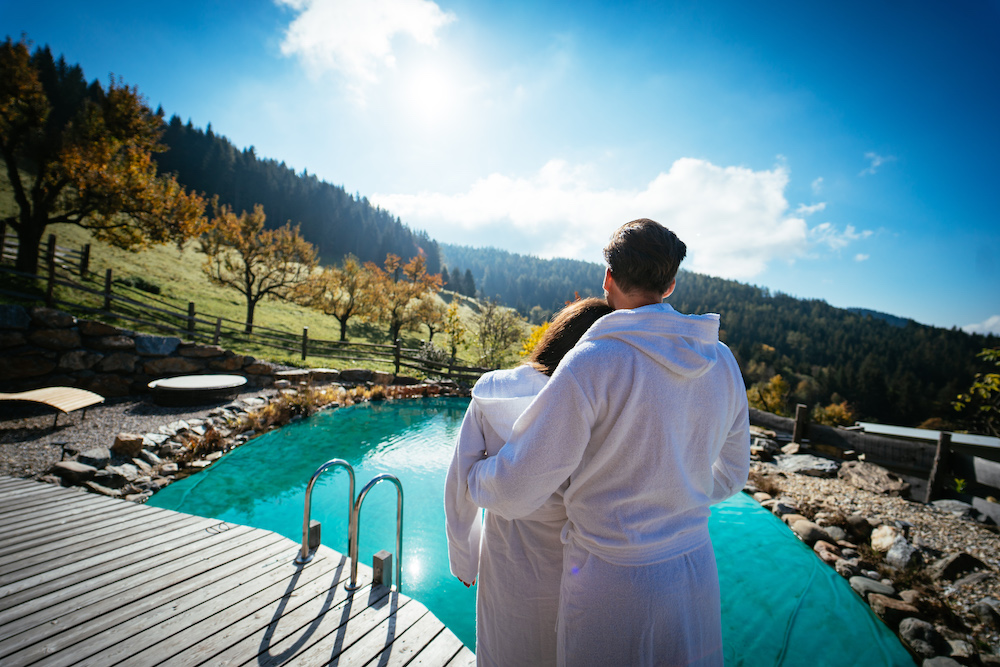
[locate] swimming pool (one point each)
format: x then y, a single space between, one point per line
781 605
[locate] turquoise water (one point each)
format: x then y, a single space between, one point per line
780 604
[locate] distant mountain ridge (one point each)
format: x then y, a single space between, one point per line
891 319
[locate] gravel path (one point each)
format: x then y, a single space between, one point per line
30 445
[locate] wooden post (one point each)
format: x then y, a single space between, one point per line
190 317
218 331
85 261
3 238
107 290
397 352
801 423
50 288
50 250
305 342
382 569
940 469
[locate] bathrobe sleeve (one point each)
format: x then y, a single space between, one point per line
731 468
546 446
462 516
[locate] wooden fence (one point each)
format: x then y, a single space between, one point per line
70 268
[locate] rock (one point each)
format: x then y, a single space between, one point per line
109 384
809 532
779 507
118 362
903 555
921 638
766 445
11 338
956 507
169 468
355 376
127 444
960 650
792 448
171 449
50 318
55 339
864 586
940 661
154 439
110 478
200 351
199 464
836 532
113 343
807 464
378 377
789 519
973 579
94 328
955 565
987 611
828 553
884 537
74 472
151 458
871 477
96 456
234 363
172 366
156 346
858 527
891 610
260 367
78 360
103 490
910 597
847 567
143 466
760 496
24 366
13 317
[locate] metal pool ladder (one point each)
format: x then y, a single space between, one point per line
354 515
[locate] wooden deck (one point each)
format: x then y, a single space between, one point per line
90 580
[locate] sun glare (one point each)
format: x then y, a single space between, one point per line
431 95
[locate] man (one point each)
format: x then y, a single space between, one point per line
647 420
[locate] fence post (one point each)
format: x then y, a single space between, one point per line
397 352
3 238
85 260
801 423
50 288
50 251
107 290
941 467
218 331
305 342
190 317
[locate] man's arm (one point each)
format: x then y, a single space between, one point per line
462 515
546 446
731 469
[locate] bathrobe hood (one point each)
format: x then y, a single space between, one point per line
694 339
503 395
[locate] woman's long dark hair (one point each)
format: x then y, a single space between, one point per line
567 327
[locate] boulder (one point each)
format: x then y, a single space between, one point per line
858 527
50 318
940 661
903 555
921 638
232 363
378 377
260 367
21 366
807 464
200 351
809 532
150 457
13 317
884 537
871 477
74 472
760 496
55 339
789 519
847 567
78 360
94 328
172 366
355 376
110 478
955 565
11 339
987 611
96 456
864 587
836 532
828 553
118 362
109 384
103 490
156 346
127 444
956 507
112 343
891 610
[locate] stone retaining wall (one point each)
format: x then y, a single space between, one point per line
42 347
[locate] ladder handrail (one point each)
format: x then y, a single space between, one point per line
352 585
304 555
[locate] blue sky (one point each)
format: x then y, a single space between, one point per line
844 151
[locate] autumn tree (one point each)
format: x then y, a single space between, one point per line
259 263
398 287
343 291
497 330
83 155
980 404
430 311
771 396
454 329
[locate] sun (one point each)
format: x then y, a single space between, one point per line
432 94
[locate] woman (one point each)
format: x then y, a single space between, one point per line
519 564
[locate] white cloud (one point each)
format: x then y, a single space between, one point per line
809 210
817 185
355 37
861 257
874 162
990 326
734 220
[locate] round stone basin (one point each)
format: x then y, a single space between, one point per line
194 389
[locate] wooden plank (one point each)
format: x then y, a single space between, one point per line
57 515
46 508
440 651
105 557
407 644
196 630
92 502
270 611
465 658
14 495
155 601
383 636
89 591
25 532
338 638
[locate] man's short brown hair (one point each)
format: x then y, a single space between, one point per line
644 256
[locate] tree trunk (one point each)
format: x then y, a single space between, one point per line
249 325
29 243
343 329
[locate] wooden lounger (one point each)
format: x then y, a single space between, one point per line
64 399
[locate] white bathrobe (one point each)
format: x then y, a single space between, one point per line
520 564
647 420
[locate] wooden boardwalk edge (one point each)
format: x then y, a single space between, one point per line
91 580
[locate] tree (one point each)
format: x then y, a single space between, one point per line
81 155
497 329
469 285
398 286
770 396
430 311
454 329
981 403
259 263
343 292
